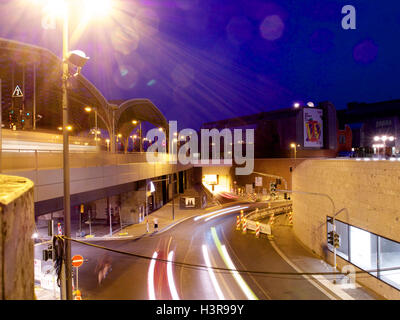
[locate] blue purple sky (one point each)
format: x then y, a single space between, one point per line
205 60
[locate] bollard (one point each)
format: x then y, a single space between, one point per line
258 230
290 218
241 216
245 226
237 223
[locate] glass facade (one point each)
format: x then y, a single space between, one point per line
368 251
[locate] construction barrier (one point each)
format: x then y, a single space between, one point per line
245 226
237 223
272 219
264 227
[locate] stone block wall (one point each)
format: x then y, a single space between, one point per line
17 224
369 190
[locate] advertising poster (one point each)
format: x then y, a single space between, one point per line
313 128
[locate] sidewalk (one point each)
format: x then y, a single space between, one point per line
302 259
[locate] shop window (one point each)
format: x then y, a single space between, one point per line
363 249
389 257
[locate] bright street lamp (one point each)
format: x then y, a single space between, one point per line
294 147
383 138
135 122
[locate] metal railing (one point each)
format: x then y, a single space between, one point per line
260 214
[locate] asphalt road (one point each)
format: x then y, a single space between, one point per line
129 277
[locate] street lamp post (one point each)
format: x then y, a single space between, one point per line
66 171
294 146
89 109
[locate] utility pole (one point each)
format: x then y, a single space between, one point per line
67 200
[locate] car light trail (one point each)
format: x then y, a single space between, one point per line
219 214
211 213
150 277
170 276
211 273
228 261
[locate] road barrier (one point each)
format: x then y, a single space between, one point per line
237 223
290 218
272 219
244 225
257 229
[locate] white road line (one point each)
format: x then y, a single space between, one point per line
283 256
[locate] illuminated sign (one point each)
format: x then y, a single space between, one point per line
313 128
211 179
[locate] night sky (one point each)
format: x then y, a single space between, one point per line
206 60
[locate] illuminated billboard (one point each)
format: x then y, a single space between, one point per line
313 128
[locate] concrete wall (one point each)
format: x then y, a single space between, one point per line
17 222
370 192
91 175
279 167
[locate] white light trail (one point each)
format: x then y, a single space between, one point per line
242 284
219 214
170 276
150 277
211 213
211 273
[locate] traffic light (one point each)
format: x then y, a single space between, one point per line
330 237
336 240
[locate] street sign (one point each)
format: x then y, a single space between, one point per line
17 92
77 261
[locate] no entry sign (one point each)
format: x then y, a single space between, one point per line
77 261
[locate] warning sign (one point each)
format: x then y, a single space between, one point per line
17 92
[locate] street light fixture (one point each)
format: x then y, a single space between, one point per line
383 138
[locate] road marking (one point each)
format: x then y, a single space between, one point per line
283 256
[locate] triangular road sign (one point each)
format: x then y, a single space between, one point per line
17 92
